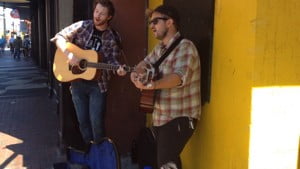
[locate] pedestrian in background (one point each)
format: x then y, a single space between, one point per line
26 46
17 47
11 44
2 44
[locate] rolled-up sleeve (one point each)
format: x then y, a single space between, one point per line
186 62
68 32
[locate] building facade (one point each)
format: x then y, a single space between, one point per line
251 77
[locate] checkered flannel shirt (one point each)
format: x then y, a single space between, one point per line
185 99
81 32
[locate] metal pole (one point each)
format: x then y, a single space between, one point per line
4 20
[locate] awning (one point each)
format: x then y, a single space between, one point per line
22 8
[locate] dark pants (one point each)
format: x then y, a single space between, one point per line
171 139
168 142
17 53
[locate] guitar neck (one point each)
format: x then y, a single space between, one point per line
107 66
102 66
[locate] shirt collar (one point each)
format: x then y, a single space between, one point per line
176 36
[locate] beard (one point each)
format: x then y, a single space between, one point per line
161 35
99 22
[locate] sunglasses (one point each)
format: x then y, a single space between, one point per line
155 20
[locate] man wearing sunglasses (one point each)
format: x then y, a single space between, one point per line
177 102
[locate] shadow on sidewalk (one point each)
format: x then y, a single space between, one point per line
28 119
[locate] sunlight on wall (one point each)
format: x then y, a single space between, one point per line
275 127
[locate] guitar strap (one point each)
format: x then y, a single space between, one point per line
148 96
167 52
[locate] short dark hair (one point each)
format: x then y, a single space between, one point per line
105 3
169 11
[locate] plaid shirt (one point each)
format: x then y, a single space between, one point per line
81 32
184 100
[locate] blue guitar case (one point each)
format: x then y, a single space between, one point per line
103 155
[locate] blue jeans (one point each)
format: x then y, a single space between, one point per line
90 105
17 53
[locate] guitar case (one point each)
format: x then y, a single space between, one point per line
103 155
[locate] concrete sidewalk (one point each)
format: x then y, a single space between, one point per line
28 120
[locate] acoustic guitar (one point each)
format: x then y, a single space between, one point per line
147 101
147 98
88 68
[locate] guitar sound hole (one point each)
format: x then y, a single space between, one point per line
80 68
76 70
83 64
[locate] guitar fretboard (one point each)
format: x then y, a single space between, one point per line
102 66
108 66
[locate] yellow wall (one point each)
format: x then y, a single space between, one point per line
152 41
222 138
275 115
252 120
